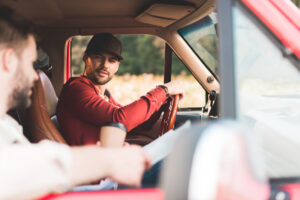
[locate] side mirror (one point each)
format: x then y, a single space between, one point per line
217 161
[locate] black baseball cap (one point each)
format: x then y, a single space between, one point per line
104 42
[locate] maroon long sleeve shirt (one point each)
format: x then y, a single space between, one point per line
81 110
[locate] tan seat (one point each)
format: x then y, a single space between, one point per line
40 119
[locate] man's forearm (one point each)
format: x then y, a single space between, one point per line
89 164
124 165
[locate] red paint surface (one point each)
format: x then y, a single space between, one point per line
282 18
68 64
133 194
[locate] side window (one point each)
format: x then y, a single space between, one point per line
202 37
268 83
194 94
78 46
267 88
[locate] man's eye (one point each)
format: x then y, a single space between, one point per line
113 60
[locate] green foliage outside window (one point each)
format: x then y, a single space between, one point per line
141 53
297 2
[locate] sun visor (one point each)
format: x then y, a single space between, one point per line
164 14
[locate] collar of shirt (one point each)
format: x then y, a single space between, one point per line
106 95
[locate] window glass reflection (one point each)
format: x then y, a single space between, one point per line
268 94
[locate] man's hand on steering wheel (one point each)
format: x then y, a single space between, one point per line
175 90
175 87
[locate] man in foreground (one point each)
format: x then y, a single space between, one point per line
29 170
85 104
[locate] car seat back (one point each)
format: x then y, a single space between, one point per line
41 119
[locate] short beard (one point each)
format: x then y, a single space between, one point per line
102 82
96 81
20 98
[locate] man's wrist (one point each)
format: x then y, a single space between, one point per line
165 88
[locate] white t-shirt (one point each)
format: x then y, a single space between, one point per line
30 170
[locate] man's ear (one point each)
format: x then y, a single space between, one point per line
86 61
9 60
85 56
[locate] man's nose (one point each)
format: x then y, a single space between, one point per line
35 76
105 63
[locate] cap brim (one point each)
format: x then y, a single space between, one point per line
119 56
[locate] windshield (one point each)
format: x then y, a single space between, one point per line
202 38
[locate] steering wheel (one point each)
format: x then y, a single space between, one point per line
169 116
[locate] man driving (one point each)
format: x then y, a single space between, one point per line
85 104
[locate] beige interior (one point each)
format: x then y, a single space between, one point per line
164 14
58 20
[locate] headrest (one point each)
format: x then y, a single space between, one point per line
42 60
49 92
